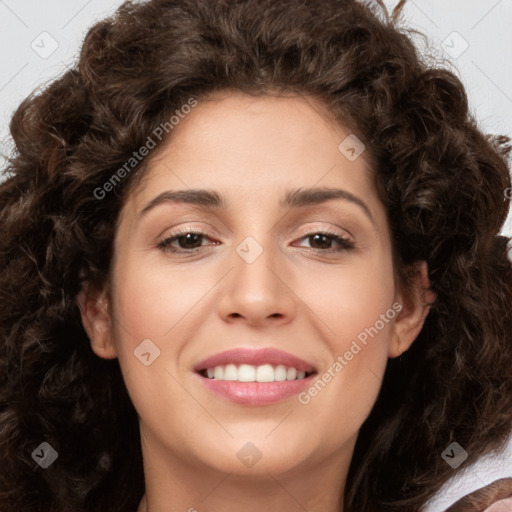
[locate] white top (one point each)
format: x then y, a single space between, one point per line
483 472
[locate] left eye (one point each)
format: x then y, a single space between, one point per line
323 241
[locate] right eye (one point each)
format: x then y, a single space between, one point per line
188 242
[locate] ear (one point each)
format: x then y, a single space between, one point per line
415 300
96 319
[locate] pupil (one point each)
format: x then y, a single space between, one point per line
189 239
324 240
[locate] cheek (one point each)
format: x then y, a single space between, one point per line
151 302
152 315
157 311
342 396
356 309
351 299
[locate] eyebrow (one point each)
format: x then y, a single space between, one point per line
311 196
293 198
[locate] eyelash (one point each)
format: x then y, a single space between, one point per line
346 245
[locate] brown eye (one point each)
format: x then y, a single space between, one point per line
320 241
189 241
323 242
183 242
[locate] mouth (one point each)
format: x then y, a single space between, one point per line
255 377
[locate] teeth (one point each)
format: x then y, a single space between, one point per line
246 373
250 373
230 372
280 373
265 373
291 374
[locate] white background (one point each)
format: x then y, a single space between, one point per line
30 29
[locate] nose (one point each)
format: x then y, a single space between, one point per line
258 292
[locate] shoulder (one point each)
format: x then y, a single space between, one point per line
495 497
501 506
489 472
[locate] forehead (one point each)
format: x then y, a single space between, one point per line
257 145
288 124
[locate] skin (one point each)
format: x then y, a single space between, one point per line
302 297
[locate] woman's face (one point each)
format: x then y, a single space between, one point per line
288 269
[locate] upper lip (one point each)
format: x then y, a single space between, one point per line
258 357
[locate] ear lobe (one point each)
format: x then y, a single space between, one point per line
415 301
96 320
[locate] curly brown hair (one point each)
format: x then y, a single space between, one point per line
441 179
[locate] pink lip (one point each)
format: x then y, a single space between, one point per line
255 357
255 393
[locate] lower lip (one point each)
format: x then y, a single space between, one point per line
256 393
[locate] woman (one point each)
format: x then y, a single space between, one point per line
250 256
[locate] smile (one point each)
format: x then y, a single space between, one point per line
255 377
